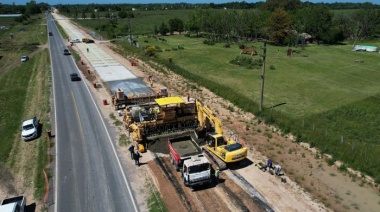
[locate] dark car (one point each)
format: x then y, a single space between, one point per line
90 41
75 77
50 34
66 52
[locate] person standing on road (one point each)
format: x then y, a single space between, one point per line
88 50
131 150
137 158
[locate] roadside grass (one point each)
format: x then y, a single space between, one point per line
63 33
27 36
25 93
155 202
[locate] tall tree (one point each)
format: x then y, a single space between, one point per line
316 21
278 24
32 8
287 5
123 14
164 29
176 24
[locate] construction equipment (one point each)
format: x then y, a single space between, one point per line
216 145
186 155
121 101
165 117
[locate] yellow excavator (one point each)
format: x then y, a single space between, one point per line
227 151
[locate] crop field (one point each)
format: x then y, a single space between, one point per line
143 22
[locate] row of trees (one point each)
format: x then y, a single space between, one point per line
283 27
263 5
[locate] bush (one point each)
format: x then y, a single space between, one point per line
227 45
209 42
247 62
271 67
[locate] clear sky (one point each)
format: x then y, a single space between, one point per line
53 2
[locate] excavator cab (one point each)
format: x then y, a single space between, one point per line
214 140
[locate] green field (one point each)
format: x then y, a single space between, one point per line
143 22
25 93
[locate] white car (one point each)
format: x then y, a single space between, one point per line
76 40
24 58
29 129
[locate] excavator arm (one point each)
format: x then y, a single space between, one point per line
206 117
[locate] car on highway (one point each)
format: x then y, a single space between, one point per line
29 129
50 34
75 77
24 58
90 41
66 52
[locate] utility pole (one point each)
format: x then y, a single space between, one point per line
262 77
130 30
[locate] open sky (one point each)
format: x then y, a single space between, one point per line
53 2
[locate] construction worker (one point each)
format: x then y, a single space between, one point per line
151 83
269 164
277 168
136 156
217 172
131 150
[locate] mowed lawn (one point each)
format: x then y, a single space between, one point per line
318 79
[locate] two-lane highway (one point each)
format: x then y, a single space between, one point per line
88 175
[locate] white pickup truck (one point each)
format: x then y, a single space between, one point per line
29 129
13 204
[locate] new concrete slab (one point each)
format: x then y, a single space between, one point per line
114 73
130 86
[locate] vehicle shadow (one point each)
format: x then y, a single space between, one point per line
239 165
39 129
30 208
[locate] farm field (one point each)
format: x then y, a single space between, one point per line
143 22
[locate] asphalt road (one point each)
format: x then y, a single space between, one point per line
88 174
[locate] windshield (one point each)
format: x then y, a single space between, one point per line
28 127
199 168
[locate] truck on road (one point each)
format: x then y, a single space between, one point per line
13 204
185 154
